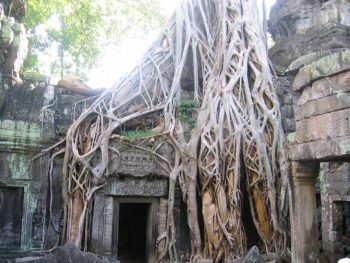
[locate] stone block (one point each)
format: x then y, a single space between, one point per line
130 186
324 105
287 111
338 188
337 177
272 257
288 125
323 127
253 256
322 150
324 67
335 167
325 87
70 253
287 99
307 59
346 168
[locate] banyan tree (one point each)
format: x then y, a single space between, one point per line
207 84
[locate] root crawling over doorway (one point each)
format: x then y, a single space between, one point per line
229 127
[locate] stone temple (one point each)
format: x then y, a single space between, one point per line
311 56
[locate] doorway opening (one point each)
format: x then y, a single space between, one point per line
341 229
11 211
132 234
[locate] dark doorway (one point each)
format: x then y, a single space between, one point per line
341 229
11 213
132 242
253 238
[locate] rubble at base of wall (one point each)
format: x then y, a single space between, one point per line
68 253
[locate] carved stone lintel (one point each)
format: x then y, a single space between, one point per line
129 186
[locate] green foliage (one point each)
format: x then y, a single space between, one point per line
78 30
186 111
139 134
61 130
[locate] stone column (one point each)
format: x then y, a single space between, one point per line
305 248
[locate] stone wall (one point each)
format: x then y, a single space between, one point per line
138 179
322 122
311 49
25 128
335 190
288 100
320 87
300 27
29 122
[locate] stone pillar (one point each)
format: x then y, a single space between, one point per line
305 248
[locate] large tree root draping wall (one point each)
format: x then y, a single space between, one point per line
234 141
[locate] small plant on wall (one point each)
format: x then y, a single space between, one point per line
187 110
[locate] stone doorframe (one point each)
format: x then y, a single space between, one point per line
151 227
322 134
305 247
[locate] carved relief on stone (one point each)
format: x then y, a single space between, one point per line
135 163
17 9
130 186
17 51
14 8
6 36
37 225
13 38
300 27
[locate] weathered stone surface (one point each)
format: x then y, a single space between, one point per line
287 99
303 212
302 26
324 67
70 253
136 163
13 37
67 110
336 84
307 59
287 111
27 259
321 150
130 186
288 125
28 121
335 189
253 256
328 104
273 257
323 127
97 224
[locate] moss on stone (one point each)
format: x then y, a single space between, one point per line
291 137
20 132
19 167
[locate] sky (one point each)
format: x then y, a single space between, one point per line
116 61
